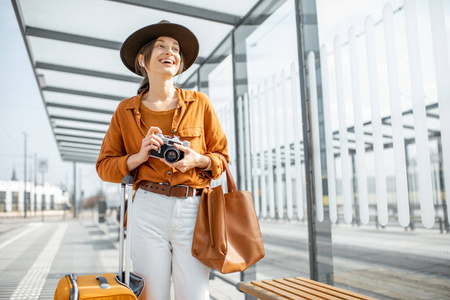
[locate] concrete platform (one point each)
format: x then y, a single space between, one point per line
385 264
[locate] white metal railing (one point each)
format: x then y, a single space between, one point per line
270 128
442 69
276 147
422 144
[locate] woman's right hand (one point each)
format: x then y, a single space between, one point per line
150 142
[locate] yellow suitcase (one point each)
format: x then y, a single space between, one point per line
104 286
108 286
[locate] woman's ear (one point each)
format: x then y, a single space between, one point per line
141 60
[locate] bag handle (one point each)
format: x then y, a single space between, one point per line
231 184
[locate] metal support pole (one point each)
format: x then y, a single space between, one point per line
35 183
312 247
442 184
74 189
356 193
410 188
25 175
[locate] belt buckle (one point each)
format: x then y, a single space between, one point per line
187 190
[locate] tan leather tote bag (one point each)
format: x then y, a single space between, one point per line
227 236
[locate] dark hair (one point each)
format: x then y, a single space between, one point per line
146 51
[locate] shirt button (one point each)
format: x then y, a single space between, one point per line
174 130
169 172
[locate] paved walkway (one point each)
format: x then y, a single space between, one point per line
387 264
34 255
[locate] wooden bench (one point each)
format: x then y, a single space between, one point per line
295 288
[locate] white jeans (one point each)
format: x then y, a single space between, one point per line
161 244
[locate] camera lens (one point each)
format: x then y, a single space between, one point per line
172 155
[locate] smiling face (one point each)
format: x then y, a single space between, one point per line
165 58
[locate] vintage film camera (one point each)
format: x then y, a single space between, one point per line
168 150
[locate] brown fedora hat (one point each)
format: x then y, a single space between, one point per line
188 43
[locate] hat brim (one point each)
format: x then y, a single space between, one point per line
186 39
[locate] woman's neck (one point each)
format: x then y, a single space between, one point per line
162 95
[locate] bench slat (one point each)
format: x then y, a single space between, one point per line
305 287
330 287
328 290
297 292
297 288
277 290
260 293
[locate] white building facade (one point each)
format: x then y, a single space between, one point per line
39 197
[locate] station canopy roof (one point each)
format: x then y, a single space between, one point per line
74 50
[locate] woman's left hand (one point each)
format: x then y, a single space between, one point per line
191 160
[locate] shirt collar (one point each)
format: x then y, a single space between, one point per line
184 96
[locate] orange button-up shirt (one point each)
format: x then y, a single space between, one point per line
194 120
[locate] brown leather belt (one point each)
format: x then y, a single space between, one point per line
180 191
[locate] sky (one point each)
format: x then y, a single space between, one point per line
22 111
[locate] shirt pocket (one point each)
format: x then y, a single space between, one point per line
195 136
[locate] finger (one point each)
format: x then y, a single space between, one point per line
182 148
146 139
154 129
156 141
152 148
155 147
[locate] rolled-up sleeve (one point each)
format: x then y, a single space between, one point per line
112 161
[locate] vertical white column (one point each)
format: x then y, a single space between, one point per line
318 192
254 97
420 116
248 161
396 116
240 125
345 160
442 69
377 134
269 135
277 144
359 131
286 111
331 176
263 127
297 122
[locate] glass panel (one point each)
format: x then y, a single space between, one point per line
83 101
275 130
220 83
76 55
373 73
216 80
127 19
233 7
54 111
88 83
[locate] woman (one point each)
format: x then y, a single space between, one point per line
167 193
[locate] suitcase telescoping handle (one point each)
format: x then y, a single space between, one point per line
126 185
